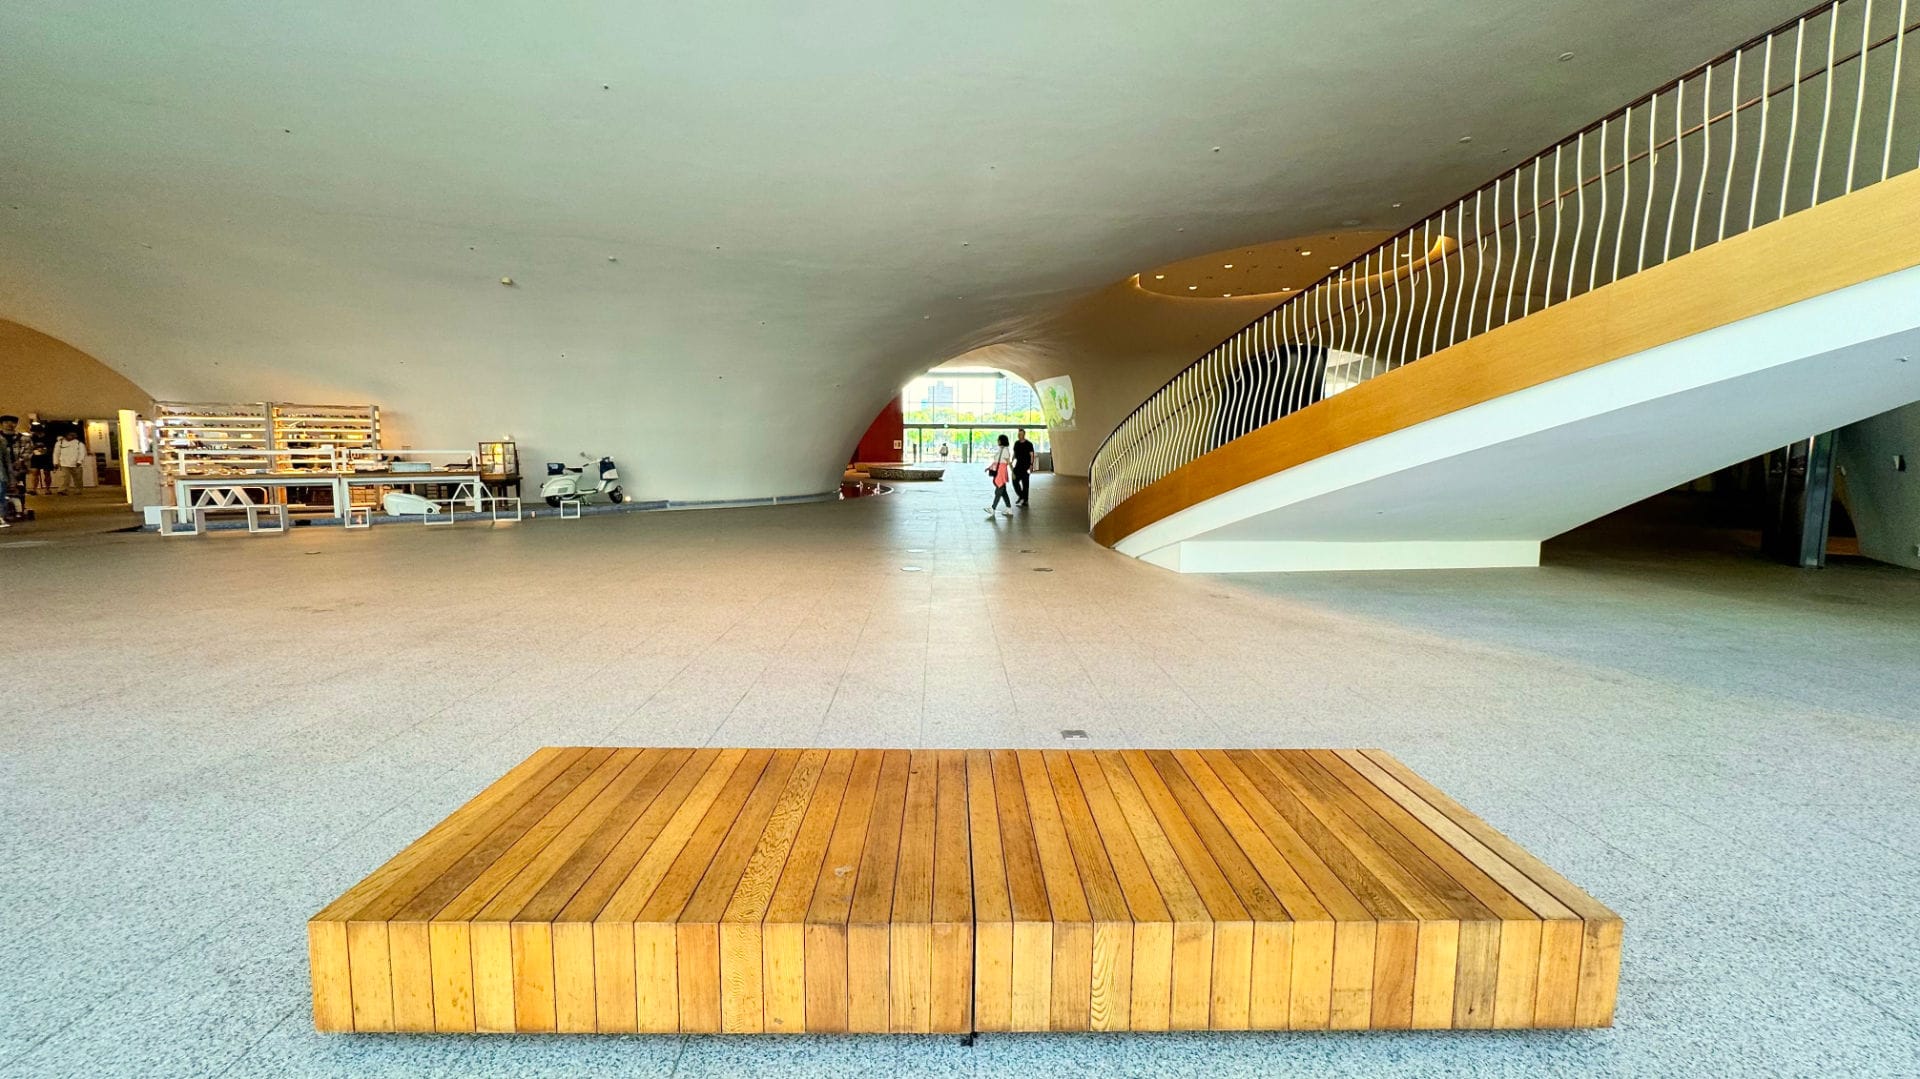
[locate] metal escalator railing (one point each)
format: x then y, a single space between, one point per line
1814 109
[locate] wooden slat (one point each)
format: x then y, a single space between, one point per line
1190 988
656 981
1230 984
743 993
698 891
1071 993
696 925
951 996
910 924
1150 931
993 906
1032 994
832 901
1595 976
869 917
785 925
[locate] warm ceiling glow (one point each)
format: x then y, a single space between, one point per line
1238 273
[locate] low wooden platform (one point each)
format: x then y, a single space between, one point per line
737 890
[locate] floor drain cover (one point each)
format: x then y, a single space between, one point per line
1073 734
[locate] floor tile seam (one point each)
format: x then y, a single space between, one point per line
256 1043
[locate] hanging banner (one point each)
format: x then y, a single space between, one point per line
1056 401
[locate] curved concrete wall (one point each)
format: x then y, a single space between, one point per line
51 378
732 230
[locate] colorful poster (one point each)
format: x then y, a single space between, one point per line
1056 401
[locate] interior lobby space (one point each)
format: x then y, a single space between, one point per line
1004 539
1720 747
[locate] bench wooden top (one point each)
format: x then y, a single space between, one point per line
581 847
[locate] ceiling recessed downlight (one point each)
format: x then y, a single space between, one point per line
1191 288
1159 277
1228 266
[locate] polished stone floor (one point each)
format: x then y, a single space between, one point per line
205 739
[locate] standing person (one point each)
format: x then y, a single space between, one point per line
1022 465
1001 469
8 447
39 464
67 455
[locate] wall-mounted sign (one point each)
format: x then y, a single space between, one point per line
1056 401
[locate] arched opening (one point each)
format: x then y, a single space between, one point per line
956 414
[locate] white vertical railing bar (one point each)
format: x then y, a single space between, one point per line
1426 294
1394 326
1653 160
1860 89
1580 200
1553 253
1626 191
1893 91
1706 158
1533 257
1826 110
1600 229
1793 121
1679 165
1374 335
1513 272
1479 258
1733 146
1760 158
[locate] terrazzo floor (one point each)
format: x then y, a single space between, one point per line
206 739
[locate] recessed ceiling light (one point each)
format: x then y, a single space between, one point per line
1565 56
1159 277
1466 138
1191 288
1286 288
1305 252
1228 295
1228 266
1396 205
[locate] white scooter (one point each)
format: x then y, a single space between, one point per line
571 484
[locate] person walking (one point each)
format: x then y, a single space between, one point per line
1001 469
40 464
8 448
1022 466
67 455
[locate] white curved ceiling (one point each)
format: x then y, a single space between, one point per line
732 230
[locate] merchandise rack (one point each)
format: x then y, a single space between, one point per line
254 438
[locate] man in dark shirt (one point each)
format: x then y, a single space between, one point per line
1022 464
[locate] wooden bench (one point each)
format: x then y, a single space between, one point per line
754 890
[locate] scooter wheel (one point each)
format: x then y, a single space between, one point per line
616 496
554 501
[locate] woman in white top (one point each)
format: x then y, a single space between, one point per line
1001 470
